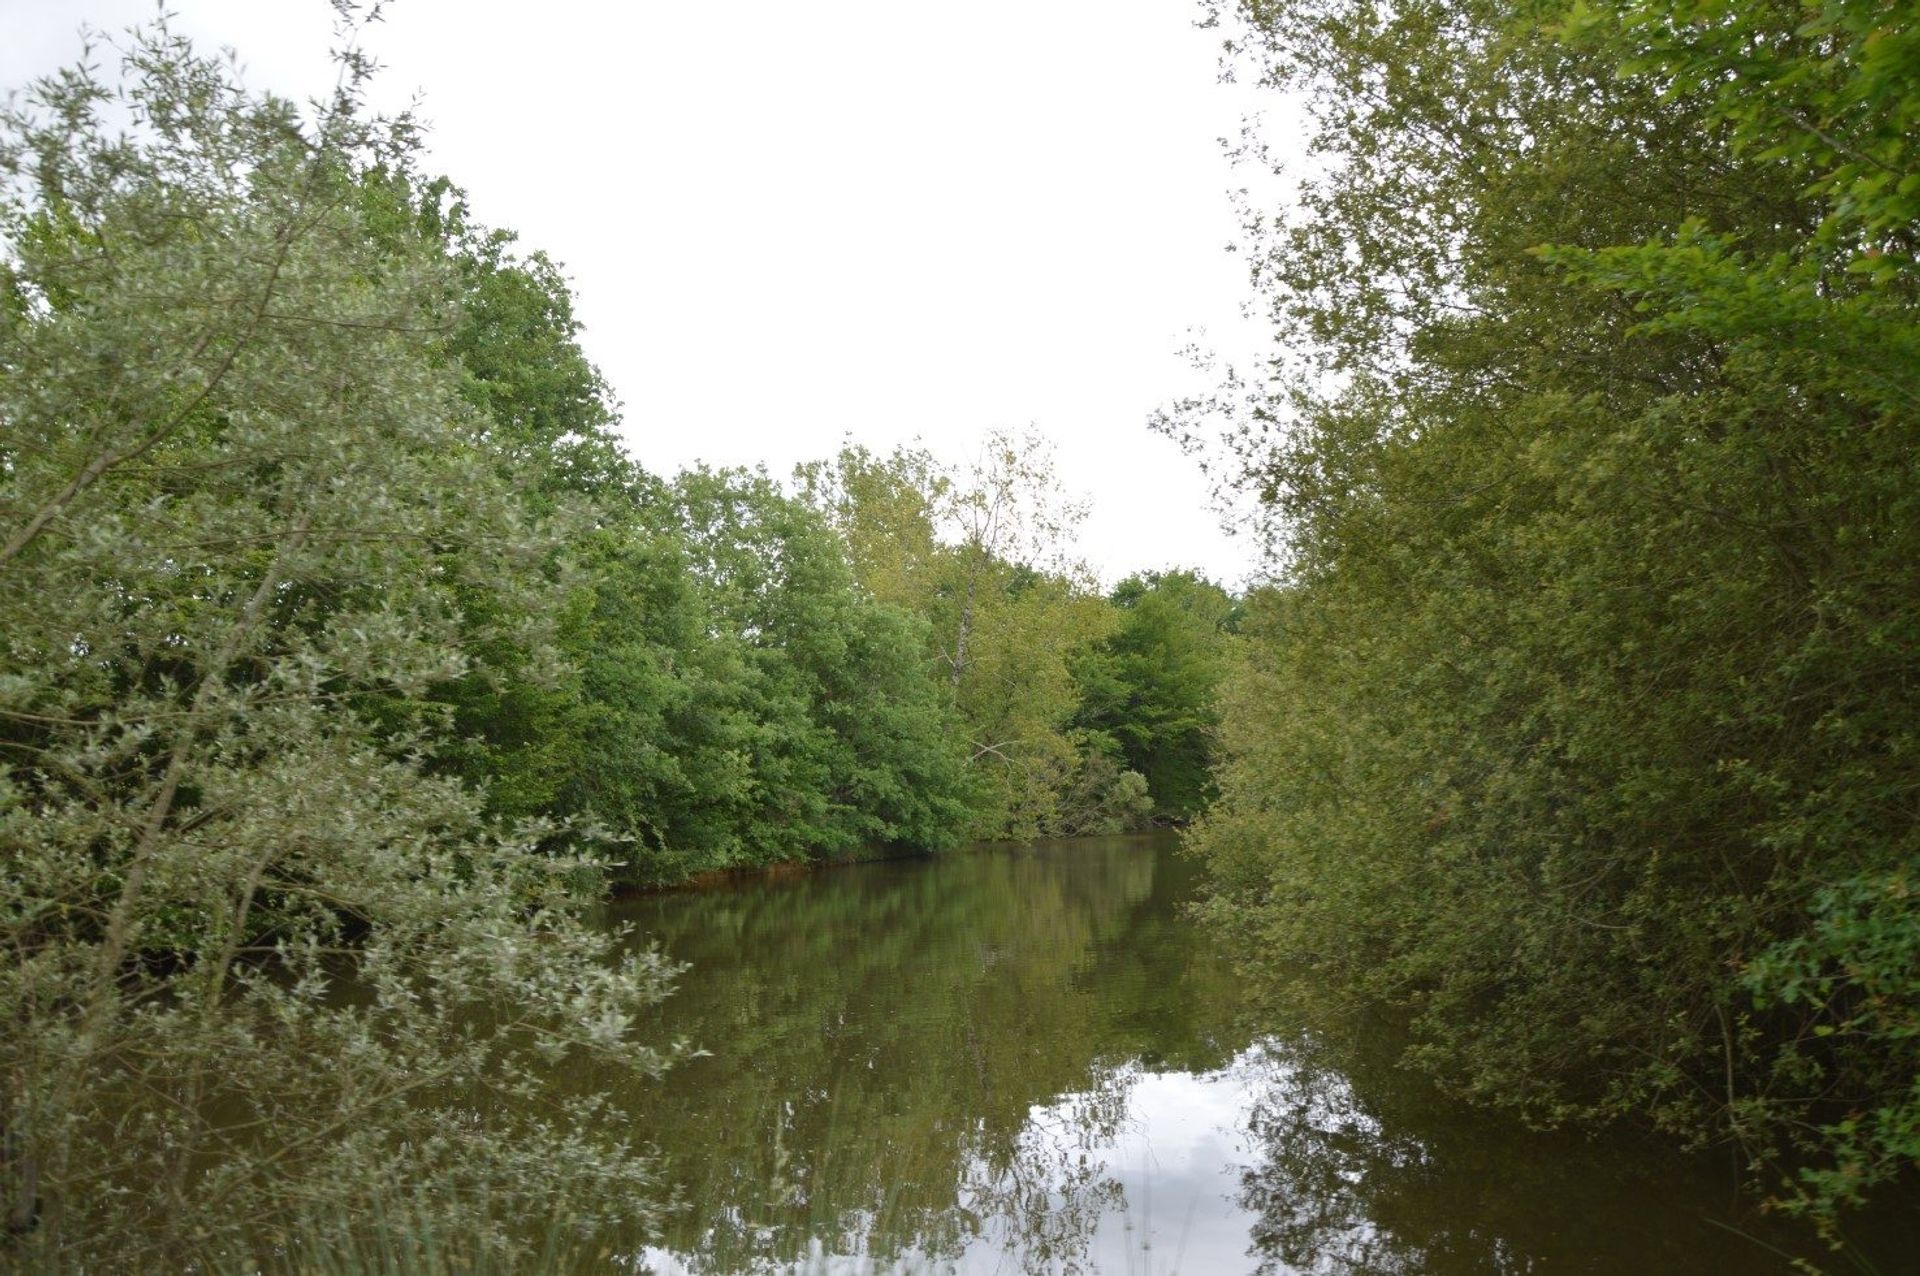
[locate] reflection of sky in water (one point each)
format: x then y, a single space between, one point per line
1177 1159
1141 1175
1031 1060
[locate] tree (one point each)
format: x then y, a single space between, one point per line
1579 720
1009 508
241 500
1149 688
983 556
850 743
890 512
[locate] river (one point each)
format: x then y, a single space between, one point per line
1030 1060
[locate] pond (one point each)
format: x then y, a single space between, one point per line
1030 1060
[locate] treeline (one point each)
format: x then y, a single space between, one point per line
889 654
1581 721
346 658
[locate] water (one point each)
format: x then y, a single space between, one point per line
1029 1060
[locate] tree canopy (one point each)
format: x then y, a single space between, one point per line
1580 721
243 501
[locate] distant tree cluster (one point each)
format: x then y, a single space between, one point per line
1077 713
1581 720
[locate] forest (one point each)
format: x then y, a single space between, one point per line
339 628
349 663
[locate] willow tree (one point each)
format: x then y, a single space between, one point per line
260 968
1580 720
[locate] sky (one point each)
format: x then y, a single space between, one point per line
789 224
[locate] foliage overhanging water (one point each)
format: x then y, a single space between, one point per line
1030 1059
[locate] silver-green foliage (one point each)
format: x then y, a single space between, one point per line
259 965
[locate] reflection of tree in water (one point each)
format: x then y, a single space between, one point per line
1365 1169
1311 1195
889 1042
913 1061
1045 1198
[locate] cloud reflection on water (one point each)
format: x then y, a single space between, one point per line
1032 1060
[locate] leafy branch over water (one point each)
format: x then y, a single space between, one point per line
1581 721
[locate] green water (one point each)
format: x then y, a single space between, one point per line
1013 1060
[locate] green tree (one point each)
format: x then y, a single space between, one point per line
890 512
851 744
671 700
1149 688
1580 719
548 423
982 556
241 501
703 717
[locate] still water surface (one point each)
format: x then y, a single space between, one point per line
1029 1060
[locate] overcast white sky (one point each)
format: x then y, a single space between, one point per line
788 223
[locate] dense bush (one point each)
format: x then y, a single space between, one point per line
1581 719
242 507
